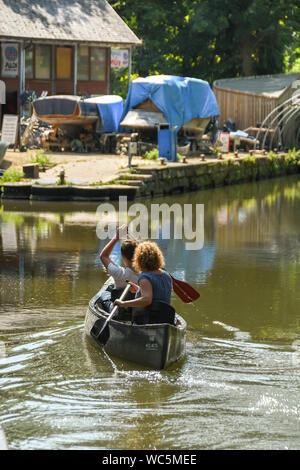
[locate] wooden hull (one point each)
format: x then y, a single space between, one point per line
157 345
60 111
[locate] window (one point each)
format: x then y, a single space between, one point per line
63 63
83 63
29 67
42 62
98 63
91 62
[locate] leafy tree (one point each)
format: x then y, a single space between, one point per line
212 39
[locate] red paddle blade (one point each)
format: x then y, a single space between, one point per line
185 291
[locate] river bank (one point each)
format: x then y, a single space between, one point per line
106 177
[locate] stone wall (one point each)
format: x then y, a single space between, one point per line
145 182
191 176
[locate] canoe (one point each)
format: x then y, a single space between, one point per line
157 346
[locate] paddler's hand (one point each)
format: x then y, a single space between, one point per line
122 232
133 287
119 302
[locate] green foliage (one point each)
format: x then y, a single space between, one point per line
12 176
250 168
41 158
152 154
212 39
119 82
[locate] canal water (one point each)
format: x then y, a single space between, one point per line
238 386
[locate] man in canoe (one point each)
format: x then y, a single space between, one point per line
153 289
119 273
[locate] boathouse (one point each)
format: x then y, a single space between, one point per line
58 46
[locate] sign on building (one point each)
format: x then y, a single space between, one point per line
10 59
119 58
9 128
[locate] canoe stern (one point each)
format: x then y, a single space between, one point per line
155 346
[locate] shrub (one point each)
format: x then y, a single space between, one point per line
41 159
152 154
12 176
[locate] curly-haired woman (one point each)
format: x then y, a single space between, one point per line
154 284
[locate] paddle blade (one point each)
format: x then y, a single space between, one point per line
184 291
104 336
100 334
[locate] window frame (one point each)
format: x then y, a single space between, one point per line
34 62
34 77
89 63
89 79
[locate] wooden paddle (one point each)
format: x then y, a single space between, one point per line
184 290
103 335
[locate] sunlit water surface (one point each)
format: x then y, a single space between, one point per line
238 386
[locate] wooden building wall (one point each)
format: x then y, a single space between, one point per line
244 109
248 110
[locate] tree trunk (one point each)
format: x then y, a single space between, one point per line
247 62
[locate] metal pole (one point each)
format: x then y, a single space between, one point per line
53 69
129 66
22 87
22 75
75 68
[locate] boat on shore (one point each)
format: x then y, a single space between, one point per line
62 110
157 346
68 110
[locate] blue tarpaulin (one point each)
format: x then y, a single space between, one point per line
179 98
110 109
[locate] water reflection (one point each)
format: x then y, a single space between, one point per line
49 255
242 366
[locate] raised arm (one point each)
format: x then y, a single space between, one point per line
106 252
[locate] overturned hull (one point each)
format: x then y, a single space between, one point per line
60 111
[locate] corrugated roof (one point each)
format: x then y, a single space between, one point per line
265 85
64 20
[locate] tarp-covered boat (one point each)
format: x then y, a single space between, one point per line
67 110
180 102
153 345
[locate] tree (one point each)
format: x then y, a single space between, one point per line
212 39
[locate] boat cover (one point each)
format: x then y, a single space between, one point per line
110 108
179 98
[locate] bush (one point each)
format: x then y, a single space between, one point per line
41 159
152 154
12 176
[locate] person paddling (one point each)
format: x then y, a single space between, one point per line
154 284
119 273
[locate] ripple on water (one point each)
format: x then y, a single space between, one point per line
82 398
